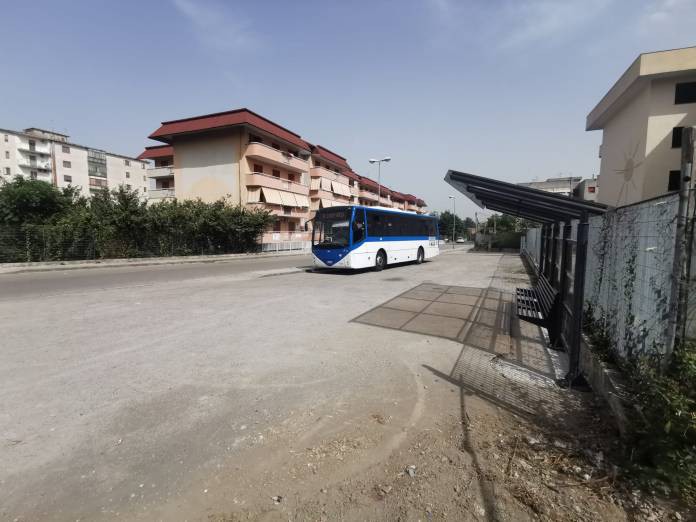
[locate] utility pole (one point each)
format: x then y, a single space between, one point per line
454 222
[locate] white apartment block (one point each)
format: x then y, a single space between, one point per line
49 156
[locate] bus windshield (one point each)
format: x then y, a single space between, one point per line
331 229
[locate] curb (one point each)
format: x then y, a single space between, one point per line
49 266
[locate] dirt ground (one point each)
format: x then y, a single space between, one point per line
466 459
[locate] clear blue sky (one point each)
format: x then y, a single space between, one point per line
496 88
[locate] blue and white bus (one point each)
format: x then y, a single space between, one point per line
364 237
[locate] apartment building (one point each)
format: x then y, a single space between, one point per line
641 118
253 161
51 157
561 185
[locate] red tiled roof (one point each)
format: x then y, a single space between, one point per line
410 198
352 175
384 191
168 129
157 151
397 196
368 183
326 154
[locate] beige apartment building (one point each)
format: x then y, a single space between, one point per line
51 157
255 162
641 118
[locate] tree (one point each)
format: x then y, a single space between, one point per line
462 225
27 201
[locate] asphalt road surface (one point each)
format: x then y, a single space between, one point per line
136 393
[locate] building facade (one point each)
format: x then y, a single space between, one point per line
563 186
255 162
49 156
641 118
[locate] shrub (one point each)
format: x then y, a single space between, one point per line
120 224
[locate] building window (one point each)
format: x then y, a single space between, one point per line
7 138
144 189
7 154
276 173
33 174
674 180
7 171
142 166
276 226
685 93
258 168
127 162
144 178
128 186
591 190
318 163
66 149
127 174
291 177
677 137
67 164
32 145
67 179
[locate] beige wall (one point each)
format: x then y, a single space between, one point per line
623 153
641 133
207 167
664 116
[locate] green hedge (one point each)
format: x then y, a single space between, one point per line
120 224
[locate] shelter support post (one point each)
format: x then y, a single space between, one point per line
578 303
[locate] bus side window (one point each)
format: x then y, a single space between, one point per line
359 226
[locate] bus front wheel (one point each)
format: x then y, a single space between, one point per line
380 261
420 256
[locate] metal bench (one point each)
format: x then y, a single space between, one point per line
537 304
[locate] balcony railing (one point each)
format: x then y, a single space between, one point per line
281 211
35 166
160 172
27 148
259 179
160 193
366 194
321 172
266 153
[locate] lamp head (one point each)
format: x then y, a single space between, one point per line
372 161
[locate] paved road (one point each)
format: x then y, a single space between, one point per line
133 392
13 286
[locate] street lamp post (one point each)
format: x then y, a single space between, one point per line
379 175
454 221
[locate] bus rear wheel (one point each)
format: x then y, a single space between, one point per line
380 261
420 256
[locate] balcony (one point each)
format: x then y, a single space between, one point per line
258 179
160 172
160 193
281 211
366 194
321 172
384 202
265 153
27 148
39 165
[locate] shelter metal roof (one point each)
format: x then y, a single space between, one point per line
525 202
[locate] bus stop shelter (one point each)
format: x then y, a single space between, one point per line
564 229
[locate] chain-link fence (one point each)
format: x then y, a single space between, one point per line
629 274
629 277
